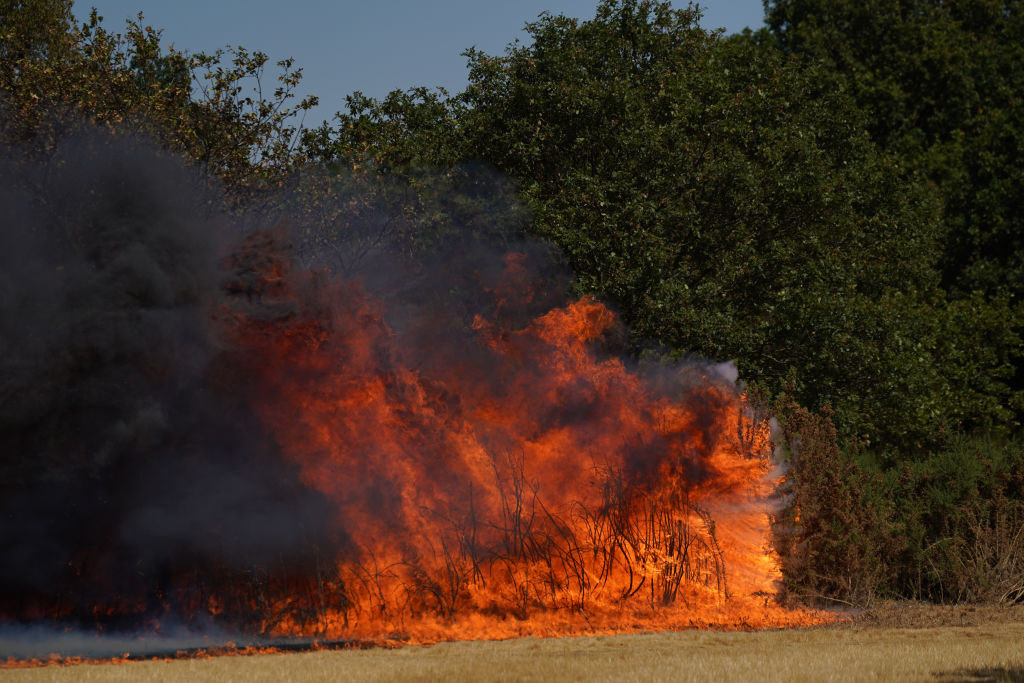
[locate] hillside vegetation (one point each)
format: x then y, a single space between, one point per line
833 202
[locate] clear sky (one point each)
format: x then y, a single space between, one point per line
370 45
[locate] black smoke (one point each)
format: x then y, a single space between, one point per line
131 469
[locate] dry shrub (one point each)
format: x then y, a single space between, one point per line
947 527
832 540
984 552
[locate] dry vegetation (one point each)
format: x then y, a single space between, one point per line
888 642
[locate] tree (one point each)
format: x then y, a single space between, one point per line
730 204
943 86
730 199
56 73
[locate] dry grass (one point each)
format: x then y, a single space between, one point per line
888 643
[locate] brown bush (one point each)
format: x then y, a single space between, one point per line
832 540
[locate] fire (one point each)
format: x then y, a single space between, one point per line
366 466
527 484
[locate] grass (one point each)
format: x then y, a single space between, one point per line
932 646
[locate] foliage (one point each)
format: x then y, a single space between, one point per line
856 526
399 164
960 516
55 72
943 85
404 130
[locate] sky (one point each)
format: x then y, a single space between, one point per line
374 46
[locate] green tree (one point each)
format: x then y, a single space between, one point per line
731 200
942 84
213 107
726 201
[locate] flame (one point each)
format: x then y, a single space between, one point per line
516 478
535 486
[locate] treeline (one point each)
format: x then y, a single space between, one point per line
833 202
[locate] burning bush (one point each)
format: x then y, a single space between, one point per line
198 427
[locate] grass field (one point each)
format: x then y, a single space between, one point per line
928 644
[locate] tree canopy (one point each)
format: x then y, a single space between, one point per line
941 84
727 196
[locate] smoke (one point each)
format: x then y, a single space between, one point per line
122 449
42 642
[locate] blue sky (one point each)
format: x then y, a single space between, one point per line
372 46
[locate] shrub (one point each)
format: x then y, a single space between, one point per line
831 536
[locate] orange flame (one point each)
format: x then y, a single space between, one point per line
556 492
